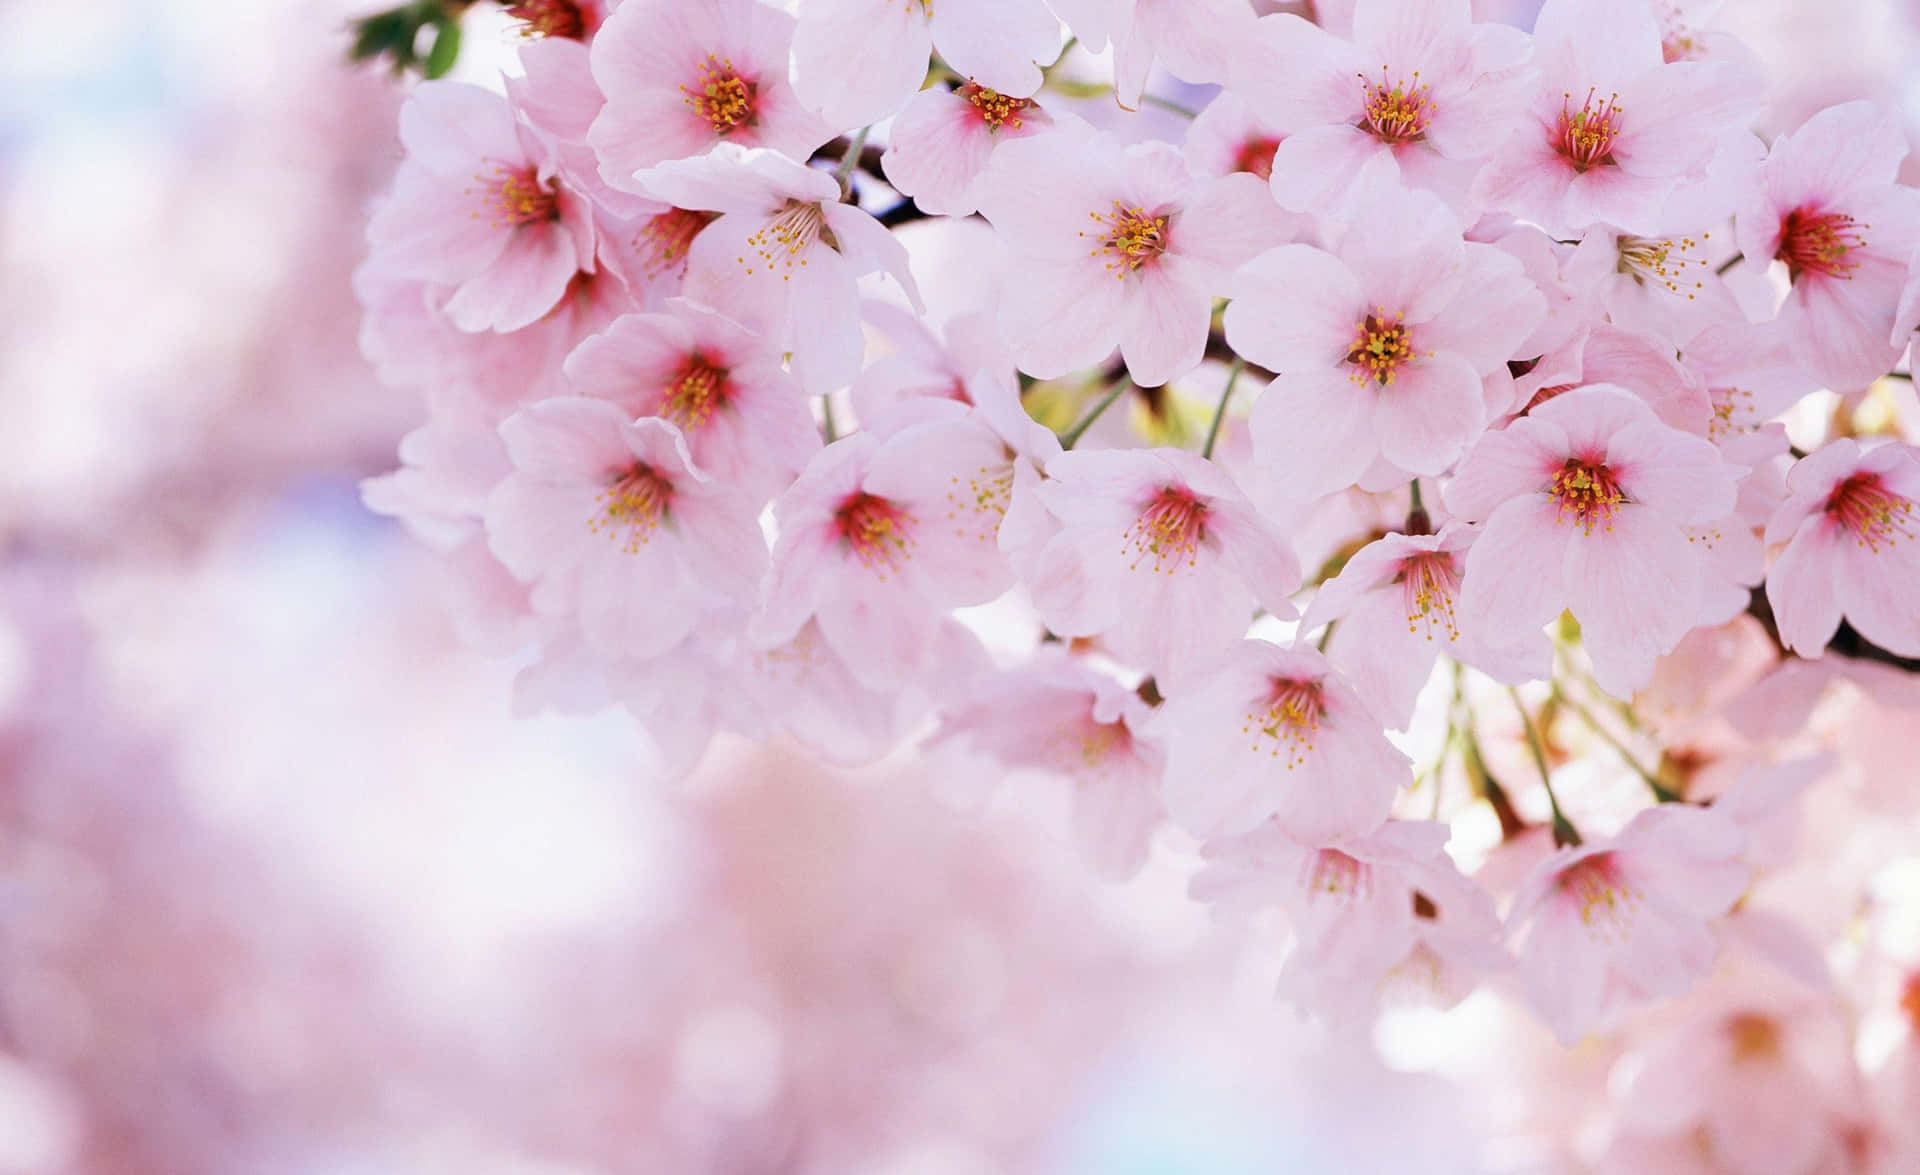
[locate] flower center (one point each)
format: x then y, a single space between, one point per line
550 18
1588 491
875 530
1130 237
695 393
1603 899
977 502
1394 111
1732 407
1812 241
1664 262
664 240
994 108
1910 1000
1380 346
1291 718
720 96
1429 583
1753 1037
632 506
515 196
1872 513
1168 531
1338 876
1256 157
784 241
1585 136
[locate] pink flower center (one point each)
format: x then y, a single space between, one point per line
1730 407
1812 241
1429 583
994 108
515 196
1380 346
550 18
1168 531
1585 136
1336 875
1666 263
1875 515
1588 491
695 393
1256 157
1599 894
1290 719
664 240
632 506
875 530
1394 111
1129 237
786 239
1099 742
721 96
1753 1037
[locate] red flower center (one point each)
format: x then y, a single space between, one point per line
1256 156
1394 111
1168 531
1812 241
721 96
550 18
1585 136
1429 583
1290 718
1380 346
516 196
695 393
994 108
633 505
664 240
1129 236
1875 515
875 530
1589 491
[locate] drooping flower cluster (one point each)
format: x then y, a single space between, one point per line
1310 479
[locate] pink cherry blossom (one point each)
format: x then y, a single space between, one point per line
1059 715
857 61
1231 135
1397 600
1117 247
477 208
1275 733
942 142
1194 40
785 256
1382 343
1585 500
681 78
1158 554
722 386
1613 129
1420 91
610 520
1612 923
1851 529
1828 209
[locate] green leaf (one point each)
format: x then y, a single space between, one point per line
446 47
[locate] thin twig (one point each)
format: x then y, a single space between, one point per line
1564 833
1072 436
1220 412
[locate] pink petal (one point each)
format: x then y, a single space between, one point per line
525 282
1635 588
1428 414
1295 308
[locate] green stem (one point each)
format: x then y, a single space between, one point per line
1072 436
1220 413
1729 263
826 410
1168 104
1661 792
1564 833
843 174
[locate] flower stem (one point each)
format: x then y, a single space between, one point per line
1564 833
843 174
1661 792
1072 436
1729 263
1168 104
831 429
1220 413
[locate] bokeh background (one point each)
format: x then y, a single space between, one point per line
285 888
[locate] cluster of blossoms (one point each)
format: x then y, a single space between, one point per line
1418 533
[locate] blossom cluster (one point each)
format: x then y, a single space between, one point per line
1424 396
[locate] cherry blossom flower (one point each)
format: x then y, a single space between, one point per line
1828 209
1398 602
1851 529
1613 129
1230 135
1611 923
1584 501
1059 715
941 143
1382 343
785 255
1420 92
857 61
1117 247
680 79
744 421
1275 733
880 535
477 208
611 521
1158 555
